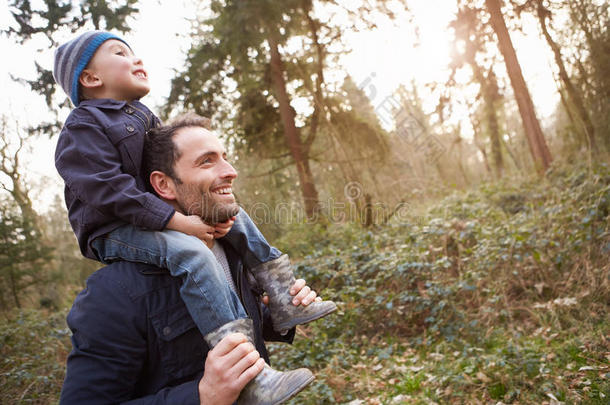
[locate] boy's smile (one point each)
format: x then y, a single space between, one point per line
115 72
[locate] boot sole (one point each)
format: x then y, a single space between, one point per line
296 390
304 320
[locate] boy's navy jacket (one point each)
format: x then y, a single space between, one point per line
134 341
99 156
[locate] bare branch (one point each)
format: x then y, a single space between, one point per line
270 172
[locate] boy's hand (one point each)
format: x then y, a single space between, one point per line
223 228
303 294
192 225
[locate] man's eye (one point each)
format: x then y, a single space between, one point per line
122 53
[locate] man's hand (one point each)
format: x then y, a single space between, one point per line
303 294
192 225
223 228
228 368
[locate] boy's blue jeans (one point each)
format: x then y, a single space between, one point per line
205 290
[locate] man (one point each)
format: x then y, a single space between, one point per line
133 339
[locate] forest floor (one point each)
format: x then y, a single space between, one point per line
494 295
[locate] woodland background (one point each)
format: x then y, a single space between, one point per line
466 243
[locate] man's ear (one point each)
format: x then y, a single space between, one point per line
164 186
89 79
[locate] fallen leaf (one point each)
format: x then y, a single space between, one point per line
554 400
565 302
481 376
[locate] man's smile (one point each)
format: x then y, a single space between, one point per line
224 191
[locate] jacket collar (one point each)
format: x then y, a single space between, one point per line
109 103
106 103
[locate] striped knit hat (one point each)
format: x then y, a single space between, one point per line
72 57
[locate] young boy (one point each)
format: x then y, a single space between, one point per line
99 156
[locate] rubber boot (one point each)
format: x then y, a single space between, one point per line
270 386
276 278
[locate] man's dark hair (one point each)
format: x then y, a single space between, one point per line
160 152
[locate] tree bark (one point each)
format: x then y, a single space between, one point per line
291 133
535 138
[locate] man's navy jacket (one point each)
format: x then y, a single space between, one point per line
99 157
134 340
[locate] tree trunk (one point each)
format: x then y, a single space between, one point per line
460 158
496 146
490 93
291 133
577 139
479 145
573 93
21 197
14 291
537 144
368 211
317 96
512 155
10 166
491 96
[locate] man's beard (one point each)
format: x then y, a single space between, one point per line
192 201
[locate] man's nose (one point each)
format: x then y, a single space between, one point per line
137 61
228 171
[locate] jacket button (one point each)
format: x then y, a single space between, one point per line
129 110
167 330
130 128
